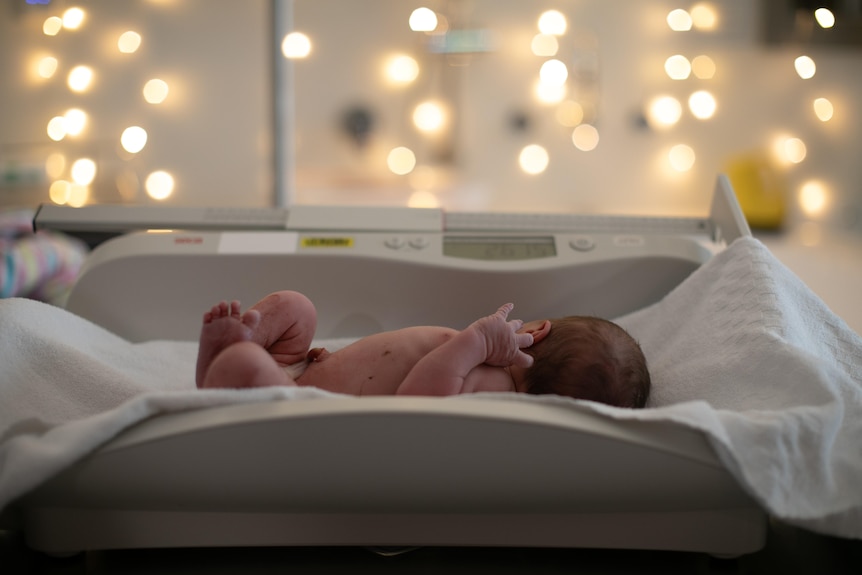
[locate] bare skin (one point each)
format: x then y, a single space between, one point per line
255 348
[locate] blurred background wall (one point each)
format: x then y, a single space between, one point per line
641 105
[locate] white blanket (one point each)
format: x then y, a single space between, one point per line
742 350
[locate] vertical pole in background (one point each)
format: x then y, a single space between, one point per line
282 107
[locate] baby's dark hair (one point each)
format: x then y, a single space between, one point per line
589 358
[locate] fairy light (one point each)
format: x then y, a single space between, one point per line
585 137
813 198
533 159
570 113
794 150
401 160
159 185
52 26
679 20
75 121
78 195
57 128
83 171
402 69
60 192
155 91
703 67
73 18
677 67
296 46
129 42
704 17
549 93
664 111
553 73
825 18
823 109
423 20
429 116
133 139
55 165
553 22
702 105
47 67
681 157
805 67
545 45
80 78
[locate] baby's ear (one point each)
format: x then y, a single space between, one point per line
541 332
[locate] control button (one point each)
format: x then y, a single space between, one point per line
395 243
582 243
419 242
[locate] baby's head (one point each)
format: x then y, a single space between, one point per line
589 358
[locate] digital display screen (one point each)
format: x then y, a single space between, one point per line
499 248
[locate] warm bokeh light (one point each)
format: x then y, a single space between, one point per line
664 111
155 91
702 105
553 22
679 20
57 128
83 171
401 160
52 26
585 137
545 45
703 67
554 73
60 192
681 158
80 78
133 139
677 67
73 18
794 150
813 198
423 20
47 66
429 116
295 46
75 121
423 199
55 165
824 17
549 93
129 42
159 185
805 67
533 159
704 16
402 69
570 113
823 109
78 195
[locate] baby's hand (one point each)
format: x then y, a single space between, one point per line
502 343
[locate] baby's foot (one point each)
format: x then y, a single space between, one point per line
223 325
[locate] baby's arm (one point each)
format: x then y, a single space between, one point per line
491 340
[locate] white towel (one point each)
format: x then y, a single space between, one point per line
741 350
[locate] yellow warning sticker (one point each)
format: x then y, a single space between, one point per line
327 242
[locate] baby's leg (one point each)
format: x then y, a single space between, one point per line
288 321
245 364
222 327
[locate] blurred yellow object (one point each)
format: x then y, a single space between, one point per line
759 189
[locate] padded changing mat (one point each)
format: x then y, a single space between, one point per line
741 350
